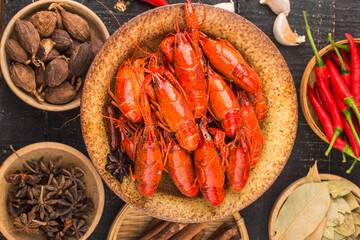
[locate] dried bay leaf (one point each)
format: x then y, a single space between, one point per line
329 233
356 217
313 175
318 232
347 228
332 215
339 236
342 205
351 201
357 231
303 211
339 188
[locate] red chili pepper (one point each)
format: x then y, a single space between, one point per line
327 124
345 57
356 123
351 137
344 47
156 3
345 74
334 113
317 95
355 69
110 127
320 69
321 96
337 61
340 88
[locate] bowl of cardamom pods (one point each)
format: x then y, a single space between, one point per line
49 191
46 50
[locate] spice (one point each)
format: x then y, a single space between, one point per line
44 22
16 52
62 39
40 77
61 94
52 203
77 26
52 54
59 23
27 36
46 45
81 59
23 76
118 165
71 48
96 43
56 72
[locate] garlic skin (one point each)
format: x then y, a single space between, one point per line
283 33
278 6
230 6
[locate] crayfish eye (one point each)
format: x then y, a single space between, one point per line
236 144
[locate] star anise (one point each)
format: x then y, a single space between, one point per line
25 223
15 205
74 177
58 185
21 179
70 202
78 228
51 227
43 205
118 166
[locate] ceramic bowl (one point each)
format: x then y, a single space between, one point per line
279 127
97 29
50 150
309 77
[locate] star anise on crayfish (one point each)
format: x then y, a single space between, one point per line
118 165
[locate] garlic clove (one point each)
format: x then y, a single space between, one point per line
230 6
278 6
283 33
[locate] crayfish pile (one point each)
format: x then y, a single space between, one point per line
177 113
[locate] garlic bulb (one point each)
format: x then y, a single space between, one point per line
230 6
283 32
278 6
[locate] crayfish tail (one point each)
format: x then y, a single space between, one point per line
213 195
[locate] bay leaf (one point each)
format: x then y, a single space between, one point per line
357 231
339 188
302 212
332 215
313 175
318 232
342 205
351 201
356 217
338 236
329 233
347 228
341 218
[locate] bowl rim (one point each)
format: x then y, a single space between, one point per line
55 145
304 103
295 127
289 189
26 97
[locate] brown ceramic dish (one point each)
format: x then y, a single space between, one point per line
310 78
50 150
97 29
279 127
285 194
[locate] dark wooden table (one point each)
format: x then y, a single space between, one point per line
21 124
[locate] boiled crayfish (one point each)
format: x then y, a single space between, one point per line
192 109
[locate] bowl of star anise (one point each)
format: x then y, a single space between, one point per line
50 191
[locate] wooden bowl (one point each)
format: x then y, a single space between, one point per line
279 127
285 194
50 150
130 224
97 28
309 77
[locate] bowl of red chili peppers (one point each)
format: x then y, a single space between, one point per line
330 94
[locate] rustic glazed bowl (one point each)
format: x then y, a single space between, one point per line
97 28
279 127
309 77
50 150
285 194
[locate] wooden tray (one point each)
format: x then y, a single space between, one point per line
130 224
285 194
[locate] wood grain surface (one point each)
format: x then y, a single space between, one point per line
21 124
